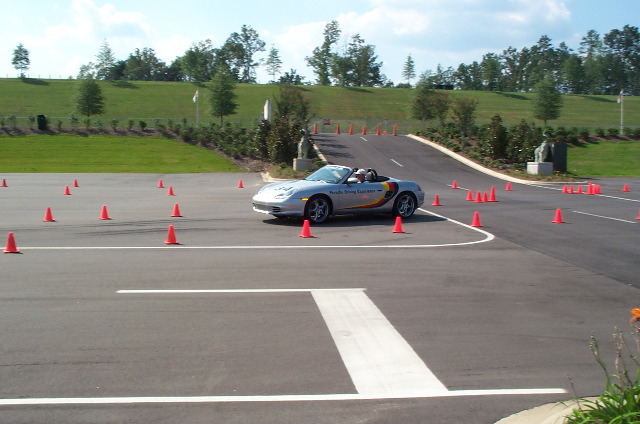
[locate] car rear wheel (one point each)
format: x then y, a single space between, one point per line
317 209
405 205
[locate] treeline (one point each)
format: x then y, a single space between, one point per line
605 64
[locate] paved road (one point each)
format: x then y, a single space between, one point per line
244 321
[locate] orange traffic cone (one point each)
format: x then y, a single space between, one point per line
315 128
436 201
378 130
492 195
104 214
455 184
170 191
571 190
565 189
11 245
579 190
306 229
67 192
338 128
485 197
364 129
470 196
397 228
597 189
558 218
160 183
171 236
476 220
590 189
48 217
75 183
478 196
176 211
351 129
638 215
625 189
508 187
240 185
395 129
4 183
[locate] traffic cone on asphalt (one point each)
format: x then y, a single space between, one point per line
378 130
364 129
638 215
625 188
11 245
48 217
395 129
160 183
306 229
436 201
558 218
455 184
470 196
240 185
75 183
67 192
492 195
4 183
338 128
476 220
579 190
351 128
176 211
485 197
171 236
565 189
170 191
397 228
478 196
590 189
104 214
508 187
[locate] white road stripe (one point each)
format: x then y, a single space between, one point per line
605 217
261 398
380 361
397 163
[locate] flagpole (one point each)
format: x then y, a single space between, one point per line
621 112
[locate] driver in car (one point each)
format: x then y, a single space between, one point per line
360 175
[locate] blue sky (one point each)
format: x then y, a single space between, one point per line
61 35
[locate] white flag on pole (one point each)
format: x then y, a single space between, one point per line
620 96
195 97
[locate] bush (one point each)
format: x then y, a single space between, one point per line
114 124
636 133
130 124
613 132
599 132
143 125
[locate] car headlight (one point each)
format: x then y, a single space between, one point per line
285 194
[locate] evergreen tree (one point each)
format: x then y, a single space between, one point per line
89 100
273 63
221 94
21 60
548 101
105 62
409 70
322 58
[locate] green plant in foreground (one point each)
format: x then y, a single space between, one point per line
620 401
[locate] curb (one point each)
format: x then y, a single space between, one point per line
551 413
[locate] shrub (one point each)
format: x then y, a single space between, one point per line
613 132
143 125
636 133
130 124
114 124
599 132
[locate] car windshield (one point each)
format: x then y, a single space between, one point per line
329 174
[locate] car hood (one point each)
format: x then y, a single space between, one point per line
281 186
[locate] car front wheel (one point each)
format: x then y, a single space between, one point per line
405 205
317 209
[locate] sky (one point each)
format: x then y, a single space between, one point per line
62 35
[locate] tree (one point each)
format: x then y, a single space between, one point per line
365 71
422 106
548 101
89 100
105 62
221 95
464 113
144 65
321 59
440 102
273 63
197 63
409 70
291 105
20 59
241 47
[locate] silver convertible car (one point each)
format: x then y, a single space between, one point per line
334 190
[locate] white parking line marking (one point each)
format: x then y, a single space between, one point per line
262 398
397 163
605 217
380 361
364 139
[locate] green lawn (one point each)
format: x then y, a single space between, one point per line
71 153
605 159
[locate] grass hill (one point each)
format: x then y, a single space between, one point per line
173 100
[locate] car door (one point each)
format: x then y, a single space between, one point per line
356 196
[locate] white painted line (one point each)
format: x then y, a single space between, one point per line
364 139
488 237
260 398
172 291
380 361
605 217
397 163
